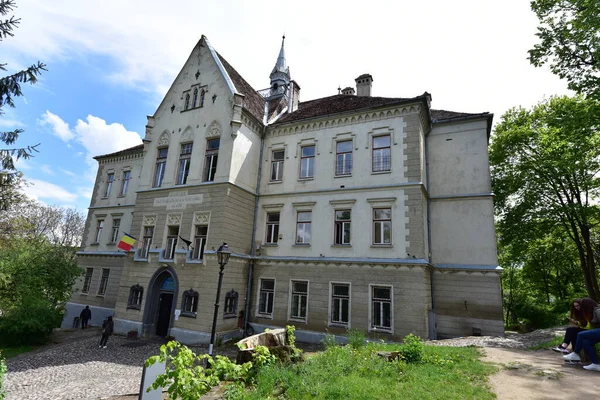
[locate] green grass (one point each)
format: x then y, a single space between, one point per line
342 373
8 352
546 345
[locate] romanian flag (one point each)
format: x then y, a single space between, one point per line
127 242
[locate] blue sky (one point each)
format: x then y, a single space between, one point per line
110 62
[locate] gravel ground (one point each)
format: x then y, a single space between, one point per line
75 368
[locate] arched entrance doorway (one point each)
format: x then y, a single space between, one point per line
161 302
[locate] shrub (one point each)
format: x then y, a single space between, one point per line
356 338
2 373
30 323
412 349
329 341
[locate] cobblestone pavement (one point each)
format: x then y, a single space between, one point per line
76 368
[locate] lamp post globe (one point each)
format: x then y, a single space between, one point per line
223 254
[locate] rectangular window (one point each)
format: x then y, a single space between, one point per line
343 160
303 226
381 307
210 162
161 163
125 182
184 163
382 226
103 282
277 165
172 234
340 304
99 227
199 241
267 294
114 236
272 228
87 282
307 162
342 227
109 182
299 300
147 241
382 160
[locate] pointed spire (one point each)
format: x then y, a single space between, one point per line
281 65
281 72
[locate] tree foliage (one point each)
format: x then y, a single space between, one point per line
569 42
10 88
545 164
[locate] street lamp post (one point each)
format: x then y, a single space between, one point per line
223 254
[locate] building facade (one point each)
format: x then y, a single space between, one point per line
349 211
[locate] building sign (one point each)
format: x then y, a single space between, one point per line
178 200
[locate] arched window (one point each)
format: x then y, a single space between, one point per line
187 101
195 98
189 303
231 300
202 98
136 293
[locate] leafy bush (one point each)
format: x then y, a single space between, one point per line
356 338
2 373
30 323
412 349
329 341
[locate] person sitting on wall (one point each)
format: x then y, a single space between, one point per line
577 317
586 340
85 316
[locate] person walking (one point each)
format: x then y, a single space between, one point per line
85 316
107 329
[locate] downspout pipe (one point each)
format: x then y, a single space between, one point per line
252 244
431 273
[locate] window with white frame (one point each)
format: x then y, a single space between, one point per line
343 158
382 226
125 182
307 162
184 163
299 300
161 163
87 281
147 241
199 241
303 227
272 228
342 227
103 282
340 304
381 307
266 296
172 234
277 160
109 182
210 161
136 293
382 156
187 101
114 235
99 228
189 303
195 99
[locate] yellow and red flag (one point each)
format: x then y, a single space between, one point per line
127 242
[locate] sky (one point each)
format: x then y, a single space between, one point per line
110 63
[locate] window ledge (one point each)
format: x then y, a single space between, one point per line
122 195
304 321
95 244
269 245
312 178
301 245
380 172
188 314
84 293
384 246
191 108
381 330
275 182
343 176
100 295
111 244
229 316
132 307
341 246
265 316
338 325
104 197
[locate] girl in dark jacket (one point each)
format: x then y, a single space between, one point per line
107 329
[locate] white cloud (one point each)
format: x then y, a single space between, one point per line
10 123
59 127
67 172
42 190
47 170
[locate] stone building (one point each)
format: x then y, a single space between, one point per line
348 211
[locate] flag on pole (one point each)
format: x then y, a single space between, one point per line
127 242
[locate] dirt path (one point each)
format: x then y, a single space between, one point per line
540 374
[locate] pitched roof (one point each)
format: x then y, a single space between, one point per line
131 150
253 101
339 103
440 115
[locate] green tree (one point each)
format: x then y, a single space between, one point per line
10 87
569 42
545 163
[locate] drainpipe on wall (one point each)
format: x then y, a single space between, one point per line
431 273
252 244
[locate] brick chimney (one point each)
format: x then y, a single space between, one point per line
363 85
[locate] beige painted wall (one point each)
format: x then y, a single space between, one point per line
114 264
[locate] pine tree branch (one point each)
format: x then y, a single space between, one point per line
10 86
